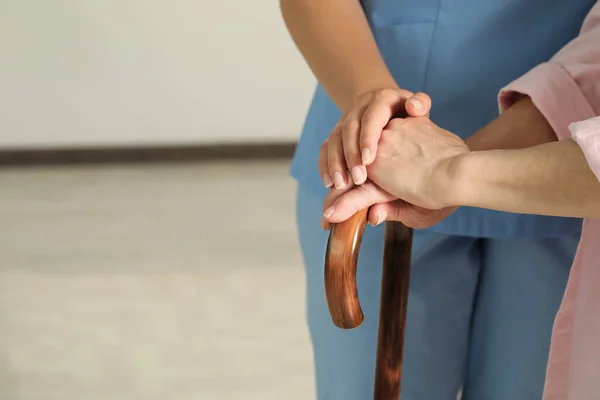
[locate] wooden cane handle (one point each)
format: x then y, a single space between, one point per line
340 271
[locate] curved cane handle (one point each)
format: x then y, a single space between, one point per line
340 271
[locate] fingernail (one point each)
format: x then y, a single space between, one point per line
329 212
357 175
381 217
327 180
366 156
338 179
417 104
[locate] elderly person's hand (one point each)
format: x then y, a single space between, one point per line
410 180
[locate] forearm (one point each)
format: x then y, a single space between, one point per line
335 39
519 127
549 179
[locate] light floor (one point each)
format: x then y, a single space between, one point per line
166 282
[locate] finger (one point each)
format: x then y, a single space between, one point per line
419 105
323 167
395 124
330 198
406 213
382 212
350 142
335 159
396 211
354 200
375 118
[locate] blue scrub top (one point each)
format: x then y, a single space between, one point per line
461 53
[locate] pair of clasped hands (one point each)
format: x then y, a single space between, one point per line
386 154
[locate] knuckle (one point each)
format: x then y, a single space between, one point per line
335 133
333 157
368 190
352 155
381 93
334 147
351 125
322 166
394 213
332 154
334 167
321 162
397 123
369 118
334 161
324 146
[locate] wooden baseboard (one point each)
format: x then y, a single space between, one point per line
163 154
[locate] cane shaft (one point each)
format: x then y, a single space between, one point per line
393 307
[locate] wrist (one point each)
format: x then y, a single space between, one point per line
374 81
455 181
363 88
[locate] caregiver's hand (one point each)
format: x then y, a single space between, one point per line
353 143
409 181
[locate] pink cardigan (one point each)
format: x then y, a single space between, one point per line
566 90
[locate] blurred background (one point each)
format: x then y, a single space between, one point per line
147 233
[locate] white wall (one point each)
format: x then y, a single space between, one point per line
120 72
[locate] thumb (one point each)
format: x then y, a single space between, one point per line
418 105
356 199
392 211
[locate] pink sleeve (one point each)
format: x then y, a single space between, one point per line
587 135
565 89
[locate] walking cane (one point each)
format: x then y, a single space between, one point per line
342 295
